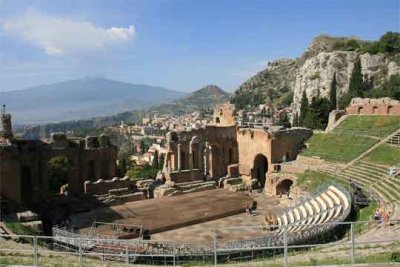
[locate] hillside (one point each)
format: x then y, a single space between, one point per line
205 97
274 84
284 80
82 99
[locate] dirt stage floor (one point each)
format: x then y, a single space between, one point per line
167 213
232 228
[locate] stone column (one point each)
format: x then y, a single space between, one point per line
179 158
190 156
205 159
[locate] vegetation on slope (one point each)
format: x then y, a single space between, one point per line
341 147
369 125
385 155
310 180
272 85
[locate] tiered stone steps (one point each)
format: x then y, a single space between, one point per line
325 207
371 176
394 140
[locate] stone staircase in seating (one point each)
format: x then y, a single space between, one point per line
372 177
394 140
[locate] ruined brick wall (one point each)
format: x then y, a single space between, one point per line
371 106
24 166
9 169
201 153
287 144
223 148
252 142
260 150
224 115
185 176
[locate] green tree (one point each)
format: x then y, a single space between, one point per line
318 113
390 43
333 93
356 80
161 162
57 169
355 85
303 109
155 160
284 121
393 87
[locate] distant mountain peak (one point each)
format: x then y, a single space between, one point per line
211 89
93 77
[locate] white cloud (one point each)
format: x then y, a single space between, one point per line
57 36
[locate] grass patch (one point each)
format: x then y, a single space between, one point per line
365 214
311 180
369 125
337 147
384 154
20 229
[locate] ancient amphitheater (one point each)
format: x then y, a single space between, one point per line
337 184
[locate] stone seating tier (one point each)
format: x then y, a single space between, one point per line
323 208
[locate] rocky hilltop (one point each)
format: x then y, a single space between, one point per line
274 84
313 71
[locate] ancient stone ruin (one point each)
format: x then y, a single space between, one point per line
24 163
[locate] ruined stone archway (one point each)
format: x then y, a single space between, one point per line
360 110
389 110
57 172
374 110
284 186
260 168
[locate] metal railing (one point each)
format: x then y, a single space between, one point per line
43 250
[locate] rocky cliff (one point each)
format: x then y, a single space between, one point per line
316 73
313 71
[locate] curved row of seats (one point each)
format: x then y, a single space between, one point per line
325 207
370 175
310 217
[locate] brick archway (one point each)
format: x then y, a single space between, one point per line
389 110
280 184
259 170
283 187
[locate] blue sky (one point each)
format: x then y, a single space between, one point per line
179 44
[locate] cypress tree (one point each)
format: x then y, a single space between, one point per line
332 93
155 160
303 108
356 80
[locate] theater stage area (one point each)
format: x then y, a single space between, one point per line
166 213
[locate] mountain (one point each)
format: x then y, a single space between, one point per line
284 80
82 99
206 97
